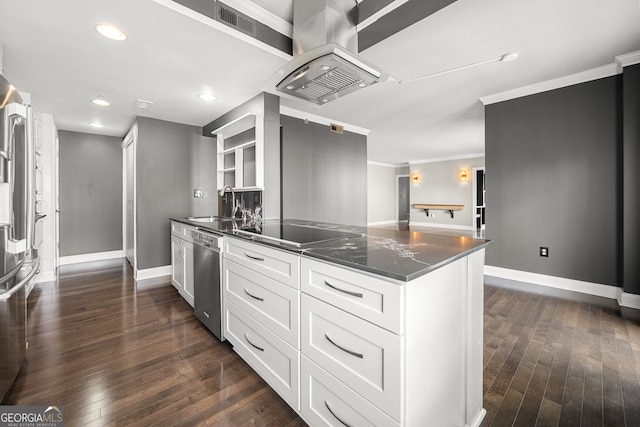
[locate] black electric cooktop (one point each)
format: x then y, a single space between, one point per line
298 235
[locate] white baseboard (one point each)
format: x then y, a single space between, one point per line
437 225
96 256
48 276
153 273
607 291
626 299
373 224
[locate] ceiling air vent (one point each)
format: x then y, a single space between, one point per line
235 19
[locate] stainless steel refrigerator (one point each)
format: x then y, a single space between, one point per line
18 260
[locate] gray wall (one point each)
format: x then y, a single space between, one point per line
324 174
165 179
90 193
439 184
382 205
551 162
631 188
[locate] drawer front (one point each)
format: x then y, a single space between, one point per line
176 228
325 401
279 265
276 362
186 232
370 298
365 357
273 304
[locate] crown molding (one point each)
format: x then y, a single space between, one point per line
545 86
446 159
303 115
177 7
628 59
387 165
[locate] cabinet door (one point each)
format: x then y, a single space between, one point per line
188 283
177 263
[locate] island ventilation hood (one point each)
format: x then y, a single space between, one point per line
325 64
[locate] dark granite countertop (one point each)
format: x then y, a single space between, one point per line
399 255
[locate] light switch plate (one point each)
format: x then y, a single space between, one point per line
198 193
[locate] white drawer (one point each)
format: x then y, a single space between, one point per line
325 401
273 304
279 265
370 298
365 357
275 360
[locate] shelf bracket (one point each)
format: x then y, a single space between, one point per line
448 210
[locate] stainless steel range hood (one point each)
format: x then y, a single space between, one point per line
325 42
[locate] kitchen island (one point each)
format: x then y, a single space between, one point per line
379 327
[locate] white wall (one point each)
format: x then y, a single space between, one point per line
439 184
381 192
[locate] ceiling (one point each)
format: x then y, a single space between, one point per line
51 50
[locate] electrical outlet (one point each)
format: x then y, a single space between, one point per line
544 251
198 193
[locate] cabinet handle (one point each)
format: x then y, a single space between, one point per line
252 296
335 416
252 344
206 314
353 294
253 257
353 353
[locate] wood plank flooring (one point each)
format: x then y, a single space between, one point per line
118 354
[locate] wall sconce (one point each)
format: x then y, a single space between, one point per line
415 178
462 175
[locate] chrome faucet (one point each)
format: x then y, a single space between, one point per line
233 199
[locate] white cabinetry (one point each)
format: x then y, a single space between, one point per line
261 309
386 353
182 260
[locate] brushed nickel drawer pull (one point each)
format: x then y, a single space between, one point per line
335 416
253 257
353 294
252 344
353 353
252 296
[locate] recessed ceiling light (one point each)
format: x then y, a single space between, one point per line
508 57
325 67
362 84
101 100
207 96
290 87
96 124
111 32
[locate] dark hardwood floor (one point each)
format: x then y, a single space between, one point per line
116 354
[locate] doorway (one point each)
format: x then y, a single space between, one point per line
403 196
479 200
128 196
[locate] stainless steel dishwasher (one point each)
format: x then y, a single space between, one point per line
207 276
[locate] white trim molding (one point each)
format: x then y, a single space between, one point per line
96 256
606 291
628 59
303 115
153 273
438 225
572 79
446 159
626 299
375 224
388 165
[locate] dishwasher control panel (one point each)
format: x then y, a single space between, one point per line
207 239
